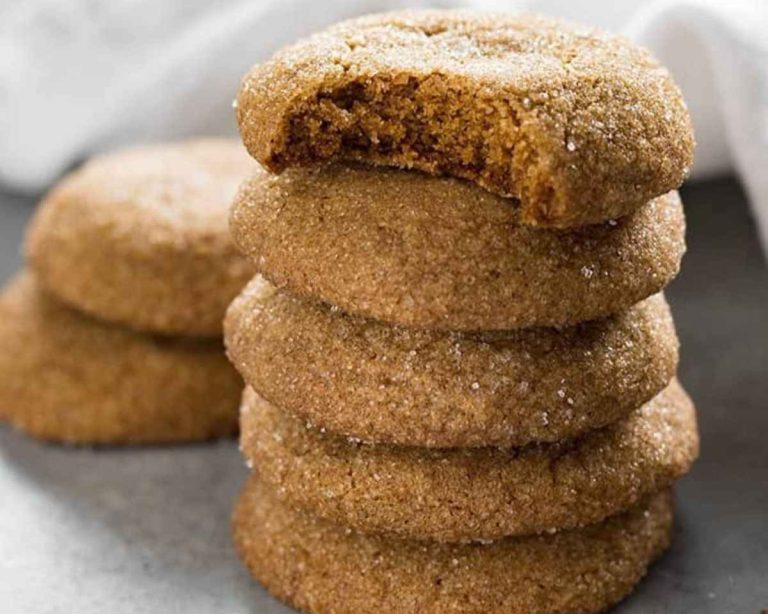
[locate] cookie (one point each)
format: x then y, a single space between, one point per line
579 125
66 377
424 252
377 383
140 237
318 567
470 494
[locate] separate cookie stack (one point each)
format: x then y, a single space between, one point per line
113 335
461 375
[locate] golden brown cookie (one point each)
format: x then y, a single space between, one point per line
475 493
377 383
318 567
426 252
140 237
581 126
65 377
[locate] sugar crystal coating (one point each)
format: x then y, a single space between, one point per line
66 377
139 237
319 567
580 125
426 252
457 495
375 382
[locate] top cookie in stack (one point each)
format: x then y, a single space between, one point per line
580 126
457 335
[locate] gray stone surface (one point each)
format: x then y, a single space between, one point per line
146 530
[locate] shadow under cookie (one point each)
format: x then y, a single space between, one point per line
318 567
472 494
65 377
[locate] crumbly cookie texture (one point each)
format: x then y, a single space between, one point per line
581 126
378 383
425 252
318 567
140 237
462 495
65 377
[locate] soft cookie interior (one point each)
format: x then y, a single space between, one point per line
427 122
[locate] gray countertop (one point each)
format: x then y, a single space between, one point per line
147 530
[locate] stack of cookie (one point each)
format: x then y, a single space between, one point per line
461 370
113 335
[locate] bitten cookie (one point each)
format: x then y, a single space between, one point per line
318 567
420 251
140 237
367 380
65 377
472 494
580 125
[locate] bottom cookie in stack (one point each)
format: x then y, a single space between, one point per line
332 524
319 567
67 377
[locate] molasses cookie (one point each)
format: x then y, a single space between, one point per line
425 252
140 237
580 125
378 383
470 494
65 377
318 567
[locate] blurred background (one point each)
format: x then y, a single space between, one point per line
83 76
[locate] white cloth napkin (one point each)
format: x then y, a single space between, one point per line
80 76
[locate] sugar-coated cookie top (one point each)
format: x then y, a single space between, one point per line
457 495
318 566
183 188
580 125
380 383
426 252
139 236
